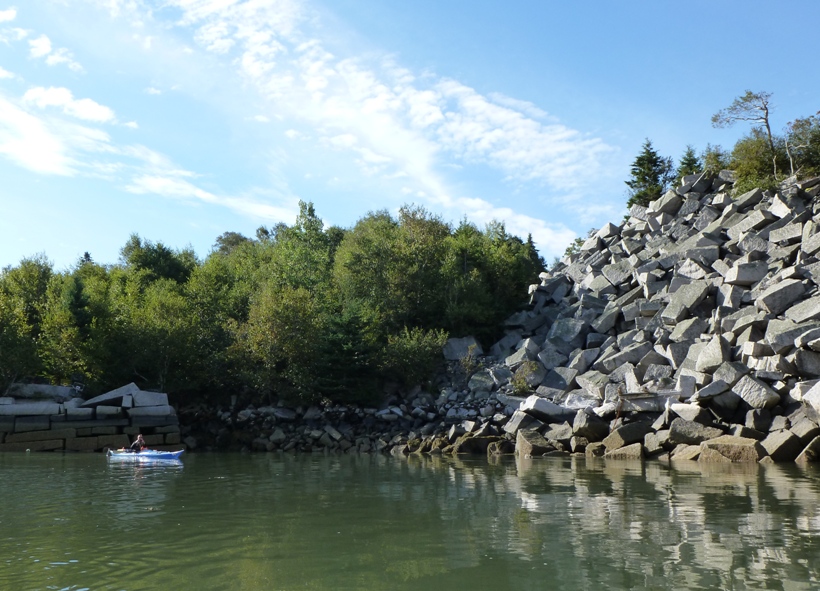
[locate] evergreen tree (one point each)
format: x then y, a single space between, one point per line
689 163
651 176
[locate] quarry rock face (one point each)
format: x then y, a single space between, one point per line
695 311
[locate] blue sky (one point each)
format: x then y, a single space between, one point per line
183 119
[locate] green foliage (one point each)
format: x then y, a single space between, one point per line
411 355
689 163
18 350
281 338
651 175
228 241
157 261
752 162
300 312
802 143
715 159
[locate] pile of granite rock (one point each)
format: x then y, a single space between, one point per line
692 330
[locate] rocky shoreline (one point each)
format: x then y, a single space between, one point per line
690 331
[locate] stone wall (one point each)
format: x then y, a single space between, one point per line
47 418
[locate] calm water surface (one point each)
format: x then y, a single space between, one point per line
253 522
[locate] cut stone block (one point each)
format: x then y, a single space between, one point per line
30 409
627 452
806 310
627 434
692 412
113 441
31 423
780 296
530 443
589 426
782 446
810 454
151 411
753 221
689 330
631 354
781 334
712 355
747 273
41 435
685 452
543 409
737 449
669 203
690 432
755 393
113 397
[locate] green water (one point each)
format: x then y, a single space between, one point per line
249 522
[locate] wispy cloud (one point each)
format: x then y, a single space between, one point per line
415 124
174 186
85 109
390 122
5 73
41 47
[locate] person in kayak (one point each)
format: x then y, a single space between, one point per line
138 445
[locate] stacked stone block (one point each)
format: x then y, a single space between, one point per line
67 422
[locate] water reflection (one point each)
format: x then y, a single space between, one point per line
376 522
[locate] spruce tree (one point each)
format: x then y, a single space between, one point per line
651 176
689 163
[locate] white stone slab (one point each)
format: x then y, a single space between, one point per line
112 397
143 398
30 409
151 411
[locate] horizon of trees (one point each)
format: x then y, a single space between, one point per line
299 312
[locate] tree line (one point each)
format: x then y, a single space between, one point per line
761 158
299 312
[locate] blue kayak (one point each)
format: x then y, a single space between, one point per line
146 455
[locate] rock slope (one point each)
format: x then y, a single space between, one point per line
692 328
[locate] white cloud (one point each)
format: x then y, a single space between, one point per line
63 56
8 15
393 124
177 188
39 47
28 142
5 73
85 109
131 124
261 118
13 34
